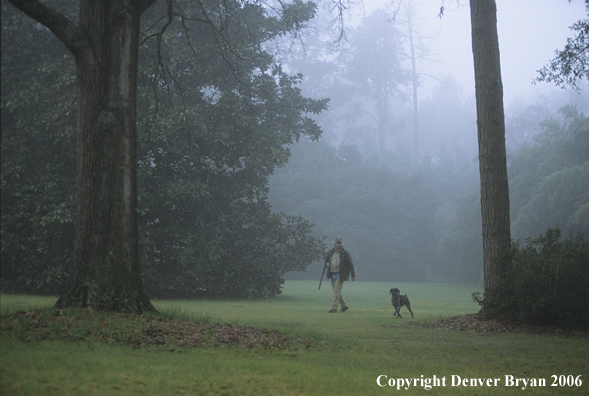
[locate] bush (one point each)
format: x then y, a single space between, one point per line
546 282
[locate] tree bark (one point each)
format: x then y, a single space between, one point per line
105 272
491 137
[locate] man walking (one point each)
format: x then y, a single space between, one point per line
339 266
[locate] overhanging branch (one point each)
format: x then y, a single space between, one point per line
65 30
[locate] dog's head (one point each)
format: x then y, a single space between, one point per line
394 292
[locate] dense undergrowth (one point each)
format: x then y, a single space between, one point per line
545 282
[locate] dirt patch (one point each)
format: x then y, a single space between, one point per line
476 323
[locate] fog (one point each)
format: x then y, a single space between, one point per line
529 33
405 197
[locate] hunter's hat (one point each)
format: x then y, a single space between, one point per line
338 241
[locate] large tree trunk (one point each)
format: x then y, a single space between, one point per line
491 136
105 272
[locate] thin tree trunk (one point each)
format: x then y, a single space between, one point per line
415 83
383 125
491 136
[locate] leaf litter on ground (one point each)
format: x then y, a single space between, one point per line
141 330
478 323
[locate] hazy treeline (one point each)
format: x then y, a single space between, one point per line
423 225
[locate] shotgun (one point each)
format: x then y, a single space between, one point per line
323 273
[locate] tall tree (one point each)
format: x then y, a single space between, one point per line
202 176
414 83
417 52
105 272
374 73
491 136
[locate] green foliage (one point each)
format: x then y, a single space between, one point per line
572 63
549 180
38 157
214 124
545 281
206 226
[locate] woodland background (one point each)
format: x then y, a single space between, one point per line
236 196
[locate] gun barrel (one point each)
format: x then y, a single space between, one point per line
322 273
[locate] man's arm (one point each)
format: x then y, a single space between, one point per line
351 264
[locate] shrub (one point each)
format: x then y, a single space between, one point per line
546 281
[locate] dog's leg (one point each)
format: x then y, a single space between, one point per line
396 304
409 307
395 307
397 311
407 303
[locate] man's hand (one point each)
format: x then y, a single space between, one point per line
353 278
327 264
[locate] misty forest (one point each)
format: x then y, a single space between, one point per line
264 131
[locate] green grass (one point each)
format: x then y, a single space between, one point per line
349 351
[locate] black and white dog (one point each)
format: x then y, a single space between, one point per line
398 301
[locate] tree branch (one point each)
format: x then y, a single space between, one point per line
65 30
143 5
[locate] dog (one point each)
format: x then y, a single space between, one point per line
398 301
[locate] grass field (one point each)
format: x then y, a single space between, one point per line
349 351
